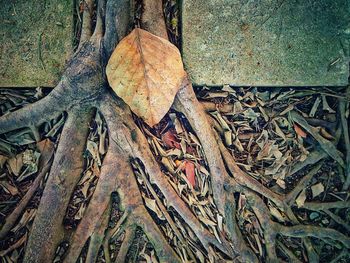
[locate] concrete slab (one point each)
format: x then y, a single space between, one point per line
267 42
35 41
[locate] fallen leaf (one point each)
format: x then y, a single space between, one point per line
317 189
151 204
146 71
301 199
16 164
3 160
276 213
170 140
9 188
92 147
299 131
46 148
190 174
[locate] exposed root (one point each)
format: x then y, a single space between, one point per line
47 230
117 24
101 9
152 18
187 103
113 166
129 236
97 238
32 115
131 140
86 27
81 90
245 180
290 198
271 228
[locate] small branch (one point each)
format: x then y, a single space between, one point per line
96 239
343 105
315 206
337 219
302 184
127 242
47 230
314 231
86 27
12 218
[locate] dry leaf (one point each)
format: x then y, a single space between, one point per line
16 164
146 71
299 131
151 204
9 188
92 147
190 174
46 148
301 199
170 140
317 189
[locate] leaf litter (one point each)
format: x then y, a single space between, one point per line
268 132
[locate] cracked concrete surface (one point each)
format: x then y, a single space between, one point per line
266 42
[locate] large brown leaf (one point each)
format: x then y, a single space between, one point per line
146 71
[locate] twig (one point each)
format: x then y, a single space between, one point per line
315 206
127 242
342 108
39 50
287 252
290 198
325 144
337 219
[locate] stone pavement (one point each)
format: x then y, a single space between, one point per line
35 41
267 42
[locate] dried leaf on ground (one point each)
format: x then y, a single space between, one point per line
301 198
299 131
170 140
146 71
190 174
317 189
16 164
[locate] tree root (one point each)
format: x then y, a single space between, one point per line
47 230
83 90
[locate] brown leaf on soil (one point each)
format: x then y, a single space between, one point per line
146 71
299 131
190 173
170 140
46 148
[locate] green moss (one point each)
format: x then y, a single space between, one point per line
35 41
